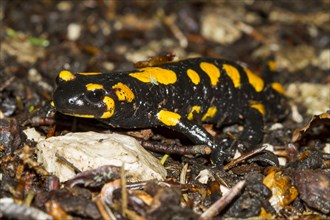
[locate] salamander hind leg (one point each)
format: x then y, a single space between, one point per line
196 133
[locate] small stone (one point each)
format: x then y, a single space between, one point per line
89 150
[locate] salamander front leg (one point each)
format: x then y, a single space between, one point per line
253 127
193 131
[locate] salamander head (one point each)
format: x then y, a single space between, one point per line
81 95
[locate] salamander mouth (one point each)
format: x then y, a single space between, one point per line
79 115
66 109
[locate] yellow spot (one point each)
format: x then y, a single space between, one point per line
271 65
255 80
123 92
80 115
90 73
155 74
52 103
93 86
194 109
66 75
234 75
193 75
210 113
168 118
260 107
278 87
107 115
110 107
212 71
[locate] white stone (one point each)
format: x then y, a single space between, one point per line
89 150
33 135
74 31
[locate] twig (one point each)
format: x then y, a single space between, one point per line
65 161
103 210
175 149
243 157
123 190
6 83
220 204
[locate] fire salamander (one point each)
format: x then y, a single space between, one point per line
180 95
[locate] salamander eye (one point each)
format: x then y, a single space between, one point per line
95 96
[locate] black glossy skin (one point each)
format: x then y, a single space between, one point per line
233 104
